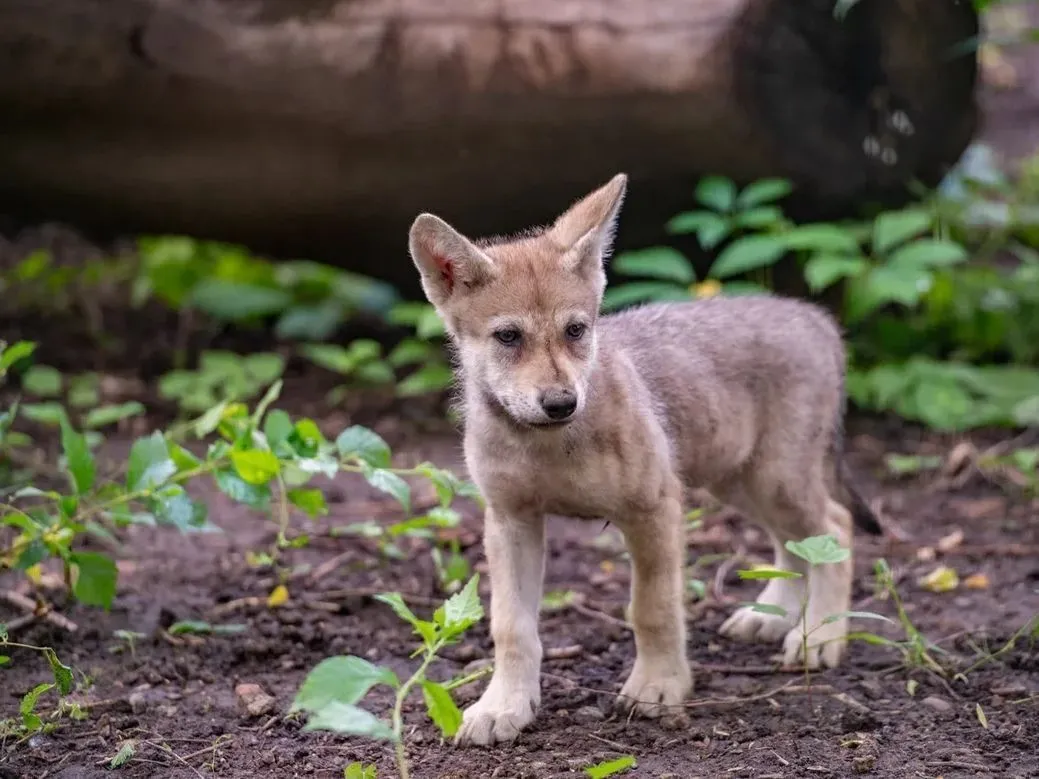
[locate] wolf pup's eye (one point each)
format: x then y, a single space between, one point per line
575 331
508 336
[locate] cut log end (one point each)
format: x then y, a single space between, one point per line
856 106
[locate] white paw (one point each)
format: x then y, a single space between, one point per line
498 716
652 688
745 624
825 644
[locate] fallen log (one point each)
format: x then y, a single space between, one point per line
320 128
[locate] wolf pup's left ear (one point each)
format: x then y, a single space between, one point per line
587 228
448 261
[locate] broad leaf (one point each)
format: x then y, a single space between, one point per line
78 459
344 679
767 573
624 295
818 550
95 578
442 709
767 608
255 496
349 720
433 377
928 253
763 191
108 415
150 463
391 483
822 270
310 501
746 254
657 262
365 445
893 228
463 608
62 673
256 466
716 192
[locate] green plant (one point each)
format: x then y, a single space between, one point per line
815 551
331 691
221 376
424 350
613 767
30 721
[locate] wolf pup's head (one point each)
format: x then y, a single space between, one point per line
522 311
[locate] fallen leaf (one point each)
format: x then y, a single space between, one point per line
926 554
977 508
962 455
977 581
941 579
279 596
947 543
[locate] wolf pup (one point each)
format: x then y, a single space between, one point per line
612 417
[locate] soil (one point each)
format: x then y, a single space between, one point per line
175 696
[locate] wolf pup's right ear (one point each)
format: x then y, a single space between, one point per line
448 261
587 227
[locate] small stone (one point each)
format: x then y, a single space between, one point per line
864 764
872 688
254 700
586 715
938 703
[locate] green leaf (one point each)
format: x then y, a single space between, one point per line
716 192
199 627
239 490
463 609
748 253
712 233
349 720
109 415
3 631
758 218
95 578
763 191
766 608
429 324
277 427
624 295
84 390
126 752
391 483
692 222
4 659
658 262
314 322
150 463
365 445
818 550
50 413
887 284
78 459
359 771
441 708
344 679
767 573
433 377
929 253
611 767
173 506
42 381
856 615
9 355
893 228
310 501
821 238
235 301
823 269
411 351
256 466
62 673
27 707
942 404
393 599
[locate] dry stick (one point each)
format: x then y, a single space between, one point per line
39 610
168 751
718 585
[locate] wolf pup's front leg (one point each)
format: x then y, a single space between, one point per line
660 678
515 549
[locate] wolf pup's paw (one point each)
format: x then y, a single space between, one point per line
746 624
826 644
496 718
652 689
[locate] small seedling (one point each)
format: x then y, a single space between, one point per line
221 376
331 691
613 767
30 721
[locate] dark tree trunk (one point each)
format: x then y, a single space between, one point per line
320 128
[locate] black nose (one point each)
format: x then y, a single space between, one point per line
558 404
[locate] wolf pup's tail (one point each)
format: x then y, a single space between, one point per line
862 515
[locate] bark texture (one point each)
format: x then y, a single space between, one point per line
320 128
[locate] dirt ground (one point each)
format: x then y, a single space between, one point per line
746 719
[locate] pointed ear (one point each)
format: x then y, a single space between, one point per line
446 259
587 228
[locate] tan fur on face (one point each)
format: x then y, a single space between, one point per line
742 397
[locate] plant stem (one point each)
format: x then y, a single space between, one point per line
397 718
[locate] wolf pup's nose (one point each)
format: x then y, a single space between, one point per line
558 404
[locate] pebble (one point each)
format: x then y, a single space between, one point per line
937 703
588 714
254 700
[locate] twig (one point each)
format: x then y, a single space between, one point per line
168 751
39 610
718 585
564 652
588 611
615 744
